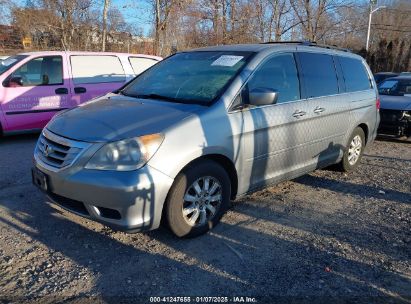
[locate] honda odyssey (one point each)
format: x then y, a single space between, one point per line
203 127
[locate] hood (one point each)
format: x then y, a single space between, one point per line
395 102
113 118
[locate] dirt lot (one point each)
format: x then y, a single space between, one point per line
326 237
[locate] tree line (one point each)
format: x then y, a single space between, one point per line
98 25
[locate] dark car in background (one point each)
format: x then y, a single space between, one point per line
380 77
395 111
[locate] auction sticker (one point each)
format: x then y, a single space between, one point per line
227 60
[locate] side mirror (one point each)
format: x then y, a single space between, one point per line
263 96
15 81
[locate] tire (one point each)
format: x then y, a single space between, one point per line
187 210
354 151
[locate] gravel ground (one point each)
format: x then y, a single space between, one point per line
324 237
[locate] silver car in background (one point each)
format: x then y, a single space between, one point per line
203 127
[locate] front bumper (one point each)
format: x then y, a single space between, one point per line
130 201
395 122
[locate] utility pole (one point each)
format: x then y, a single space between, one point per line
372 11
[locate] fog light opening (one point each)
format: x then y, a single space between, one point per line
108 213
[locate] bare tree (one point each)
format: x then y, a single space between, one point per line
105 12
390 46
59 24
316 16
162 9
274 19
181 24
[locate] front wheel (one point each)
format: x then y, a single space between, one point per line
198 199
354 151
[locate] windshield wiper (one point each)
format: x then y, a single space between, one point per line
158 96
170 99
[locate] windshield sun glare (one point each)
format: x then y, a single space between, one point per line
192 77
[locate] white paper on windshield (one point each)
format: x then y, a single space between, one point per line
227 60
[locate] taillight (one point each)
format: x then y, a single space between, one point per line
377 103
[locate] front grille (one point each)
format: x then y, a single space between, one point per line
56 151
68 203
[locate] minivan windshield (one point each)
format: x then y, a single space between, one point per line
9 62
395 87
191 77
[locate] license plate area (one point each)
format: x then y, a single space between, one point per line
39 179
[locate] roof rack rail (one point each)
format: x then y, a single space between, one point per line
288 42
309 43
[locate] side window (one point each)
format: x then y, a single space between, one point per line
279 74
407 88
40 71
96 69
140 64
318 74
355 74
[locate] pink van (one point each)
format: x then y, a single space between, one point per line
35 86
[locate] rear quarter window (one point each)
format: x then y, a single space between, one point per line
96 69
140 64
355 75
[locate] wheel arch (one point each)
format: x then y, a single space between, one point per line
365 128
224 162
220 159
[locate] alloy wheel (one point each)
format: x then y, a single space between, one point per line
354 150
202 201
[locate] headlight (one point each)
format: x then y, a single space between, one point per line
126 155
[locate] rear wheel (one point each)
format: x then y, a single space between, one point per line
354 151
198 198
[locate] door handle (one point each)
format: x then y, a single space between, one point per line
80 90
61 91
298 113
318 110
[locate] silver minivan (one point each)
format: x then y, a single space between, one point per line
203 127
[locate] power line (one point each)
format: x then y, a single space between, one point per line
397 10
391 30
399 26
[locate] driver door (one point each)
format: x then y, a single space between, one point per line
276 136
35 92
